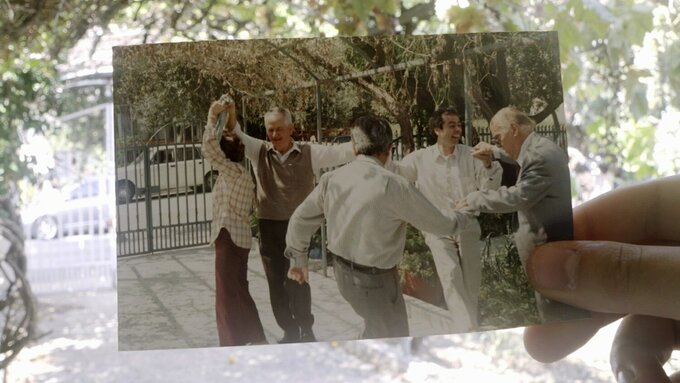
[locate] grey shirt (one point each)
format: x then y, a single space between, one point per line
367 208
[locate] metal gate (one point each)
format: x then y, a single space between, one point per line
163 187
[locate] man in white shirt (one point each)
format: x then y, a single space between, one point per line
284 174
367 208
446 172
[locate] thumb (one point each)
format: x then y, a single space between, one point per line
609 277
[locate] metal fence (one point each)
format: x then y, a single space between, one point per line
83 207
70 245
163 187
163 184
557 135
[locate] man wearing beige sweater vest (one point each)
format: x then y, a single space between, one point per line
284 173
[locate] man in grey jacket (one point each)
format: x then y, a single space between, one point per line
541 196
367 208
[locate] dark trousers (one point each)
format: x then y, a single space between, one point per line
238 322
291 302
377 298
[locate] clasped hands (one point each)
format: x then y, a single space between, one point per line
484 152
225 103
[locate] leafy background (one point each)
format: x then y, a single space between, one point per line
620 64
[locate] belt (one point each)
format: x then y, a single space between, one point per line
362 268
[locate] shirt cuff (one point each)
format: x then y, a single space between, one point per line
491 170
237 128
298 258
472 200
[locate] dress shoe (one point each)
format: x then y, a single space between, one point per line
290 337
307 335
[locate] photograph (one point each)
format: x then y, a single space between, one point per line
273 191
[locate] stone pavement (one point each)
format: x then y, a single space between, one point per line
166 300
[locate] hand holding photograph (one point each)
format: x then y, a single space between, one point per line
364 187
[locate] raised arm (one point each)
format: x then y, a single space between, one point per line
252 145
328 156
210 149
405 168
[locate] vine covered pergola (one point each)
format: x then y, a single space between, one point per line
326 82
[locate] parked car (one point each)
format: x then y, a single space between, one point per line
82 208
173 167
341 139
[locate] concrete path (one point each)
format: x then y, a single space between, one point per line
167 301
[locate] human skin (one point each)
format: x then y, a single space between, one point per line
624 262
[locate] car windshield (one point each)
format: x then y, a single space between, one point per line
84 190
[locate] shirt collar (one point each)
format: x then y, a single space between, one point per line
295 147
436 152
528 142
369 159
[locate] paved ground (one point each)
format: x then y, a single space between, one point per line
79 345
79 326
167 301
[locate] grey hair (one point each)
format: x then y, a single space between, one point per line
511 115
278 110
371 135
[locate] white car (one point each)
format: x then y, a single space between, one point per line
172 167
82 208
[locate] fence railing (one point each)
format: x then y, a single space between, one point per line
557 135
163 186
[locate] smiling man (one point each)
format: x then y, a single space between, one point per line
446 172
541 196
284 173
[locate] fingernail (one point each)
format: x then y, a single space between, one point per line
625 376
554 268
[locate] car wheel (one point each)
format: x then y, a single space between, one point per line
46 227
125 191
209 180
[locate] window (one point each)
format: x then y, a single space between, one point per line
189 154
162 156
84 190
180 154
